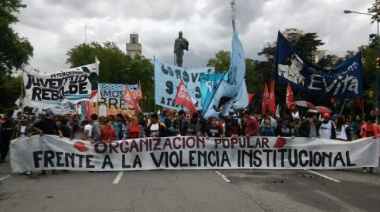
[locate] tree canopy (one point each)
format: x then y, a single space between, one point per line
15 51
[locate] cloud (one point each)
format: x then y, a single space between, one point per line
54 27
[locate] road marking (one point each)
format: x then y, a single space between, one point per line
223 177
3 178
118 177
324 176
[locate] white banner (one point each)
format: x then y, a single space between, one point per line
49 152
48 90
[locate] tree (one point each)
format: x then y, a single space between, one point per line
221 62
375 9
15 51
10 89
115 66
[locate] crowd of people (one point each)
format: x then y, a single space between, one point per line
177 123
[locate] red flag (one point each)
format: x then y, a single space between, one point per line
183 98
87 109
333 100
272 98
128 99
139 93
358 103
250 96
290 98
264 101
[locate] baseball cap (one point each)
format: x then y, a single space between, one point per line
326 115
165 111
49 112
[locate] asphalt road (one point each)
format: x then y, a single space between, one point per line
192 190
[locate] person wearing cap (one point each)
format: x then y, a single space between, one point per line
23 128
251 125
48 125
308 127
326 128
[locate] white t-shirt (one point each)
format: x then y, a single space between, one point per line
89 128
325 130
22 130
342 134
154 130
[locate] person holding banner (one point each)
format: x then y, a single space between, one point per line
308 127
134 130
213 130
251 125
96 129
156 128
369 129
108 133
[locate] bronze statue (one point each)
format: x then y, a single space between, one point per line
179 45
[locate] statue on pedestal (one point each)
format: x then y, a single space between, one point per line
179 45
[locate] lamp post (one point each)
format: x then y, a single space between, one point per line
378 55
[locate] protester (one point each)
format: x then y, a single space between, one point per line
66 131
341 130
108 133
96 129
121 126
267 128
23 128
48 126
326 128
134 130
142 121
181 123
195 125
369 129
87 130
251 125
156 128
307 127
6 135
356 124
165 118
214 130
353 135
233 129
284 129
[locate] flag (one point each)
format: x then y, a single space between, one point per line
272 98
264 101
358 103
183 98
229 91
290 98
128 99
139 94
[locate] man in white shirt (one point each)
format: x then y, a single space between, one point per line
87 131
326 127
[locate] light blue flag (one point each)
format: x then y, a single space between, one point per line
166 81
229 90
209 83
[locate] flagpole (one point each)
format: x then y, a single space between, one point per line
22 92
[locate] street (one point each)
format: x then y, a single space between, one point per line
191 190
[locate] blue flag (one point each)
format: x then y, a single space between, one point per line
228 90
343 81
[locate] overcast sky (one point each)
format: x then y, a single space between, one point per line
55 26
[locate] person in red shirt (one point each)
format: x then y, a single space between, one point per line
134 130
251 126
108 133
369 129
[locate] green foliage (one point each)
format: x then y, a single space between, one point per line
15 51
221 62
116 67
10 89
375 9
